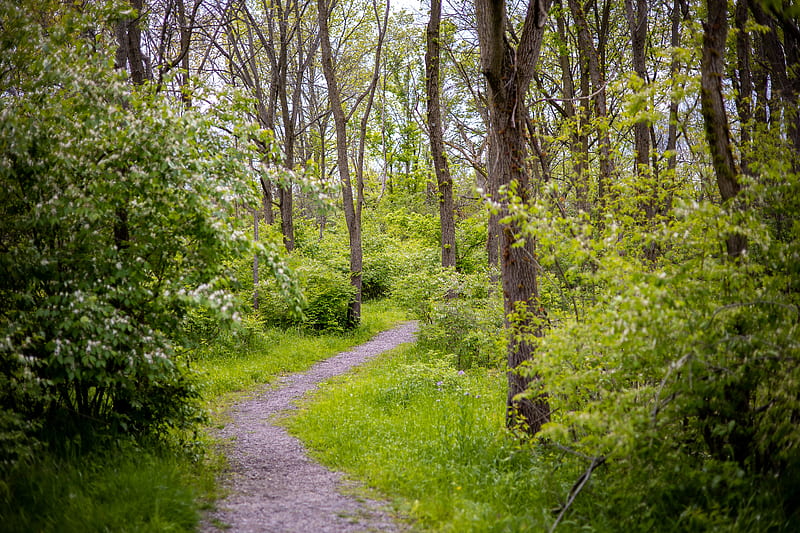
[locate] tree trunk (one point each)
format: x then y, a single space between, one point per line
129 53
369 95
435 130
591 63
508 73
672 131
579 142
636 16
340 123
712 69
493 229
743 82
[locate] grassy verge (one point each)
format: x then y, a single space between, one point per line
152 488
253 356
432 440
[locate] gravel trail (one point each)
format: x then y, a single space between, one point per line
273 485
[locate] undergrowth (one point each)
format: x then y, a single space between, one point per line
431 438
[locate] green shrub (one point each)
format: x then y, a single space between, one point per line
115 219
459 314
326 292
685 377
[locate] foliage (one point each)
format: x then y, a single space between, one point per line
459 314
685 377
114 220
254 353
148 486
326 293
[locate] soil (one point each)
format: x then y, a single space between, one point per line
272 484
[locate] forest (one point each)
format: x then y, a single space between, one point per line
590 208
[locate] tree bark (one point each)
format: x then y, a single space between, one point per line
436 134
743 81
579 142
369 95
129 53
508 74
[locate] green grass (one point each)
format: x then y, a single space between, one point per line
433 440
152 488
129 489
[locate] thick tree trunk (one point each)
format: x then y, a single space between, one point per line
435 129
508 74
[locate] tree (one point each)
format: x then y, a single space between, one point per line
715 117
443 178
508 72
352 206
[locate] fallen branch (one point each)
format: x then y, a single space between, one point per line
576 489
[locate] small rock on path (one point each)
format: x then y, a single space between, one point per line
273 485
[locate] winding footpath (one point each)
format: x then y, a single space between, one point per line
273 485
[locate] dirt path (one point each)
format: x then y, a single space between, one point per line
273 485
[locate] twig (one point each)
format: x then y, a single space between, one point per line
576 488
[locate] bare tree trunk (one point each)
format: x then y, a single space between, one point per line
493 230
579 142
743 81
382 22
508 73
591 63
636 16
672 131
435 130
255 261
340 122
185 40
129 53
281 72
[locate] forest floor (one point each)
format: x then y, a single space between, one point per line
272 485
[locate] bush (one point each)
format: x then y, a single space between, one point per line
460 315
685 378
326 295
114 222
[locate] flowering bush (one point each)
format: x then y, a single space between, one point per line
114 220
